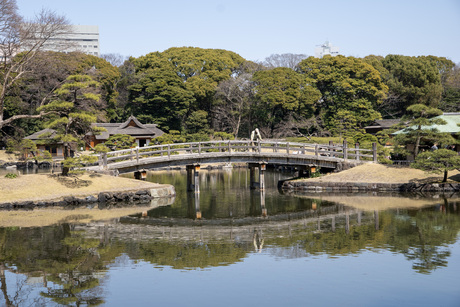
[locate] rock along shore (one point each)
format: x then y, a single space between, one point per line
316 186
141 196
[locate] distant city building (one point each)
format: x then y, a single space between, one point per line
325 49
83 38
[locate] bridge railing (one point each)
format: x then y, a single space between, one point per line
341 151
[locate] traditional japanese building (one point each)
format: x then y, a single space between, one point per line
143 133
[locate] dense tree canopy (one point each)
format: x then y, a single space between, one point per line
345 83
280 93
202 91
411 80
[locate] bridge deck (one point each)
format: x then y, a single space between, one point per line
282 153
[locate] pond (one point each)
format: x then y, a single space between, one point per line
249 248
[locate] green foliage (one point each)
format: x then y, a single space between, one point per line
44 156
280 93
197 137
346 84
73 164
101 148
197 122
223 136
437 161
11 175
21 148
173 84
415 80
68 117
420 119
120 141
173 136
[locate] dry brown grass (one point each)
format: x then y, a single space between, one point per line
49 187
50 216
378 173
7 157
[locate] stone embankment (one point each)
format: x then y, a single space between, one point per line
312 186
103 198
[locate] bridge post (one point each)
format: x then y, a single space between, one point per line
137 155
104 160
262 168
374 152
252 175
169 151
316 150
345 150
229 147
287 148
331 149
189 169
357 151
193 182
258 146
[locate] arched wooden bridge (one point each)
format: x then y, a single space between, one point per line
260 152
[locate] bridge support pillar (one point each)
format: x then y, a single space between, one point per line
252 174
193 182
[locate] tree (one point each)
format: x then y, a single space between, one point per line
159 95
420 120
120 141
412 80
345 83
232 105
280 93
438 161
173 84
451 95
70 114
288 60
19 42
49 71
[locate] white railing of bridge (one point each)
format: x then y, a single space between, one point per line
342 151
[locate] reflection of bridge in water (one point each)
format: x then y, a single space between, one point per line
256 154
321 218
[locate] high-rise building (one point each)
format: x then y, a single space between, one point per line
82 38
325 49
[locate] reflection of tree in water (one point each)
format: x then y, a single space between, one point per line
431 232
69 262
65 261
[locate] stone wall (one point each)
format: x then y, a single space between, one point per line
312 186
104 198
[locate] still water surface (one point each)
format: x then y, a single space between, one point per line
249 248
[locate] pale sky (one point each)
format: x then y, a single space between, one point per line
255 29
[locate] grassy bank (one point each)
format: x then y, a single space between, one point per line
48 187
378 173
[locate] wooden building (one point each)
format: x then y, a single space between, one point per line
143 133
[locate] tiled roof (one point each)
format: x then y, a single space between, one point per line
130 127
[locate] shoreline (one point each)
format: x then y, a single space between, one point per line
50 190
375 178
